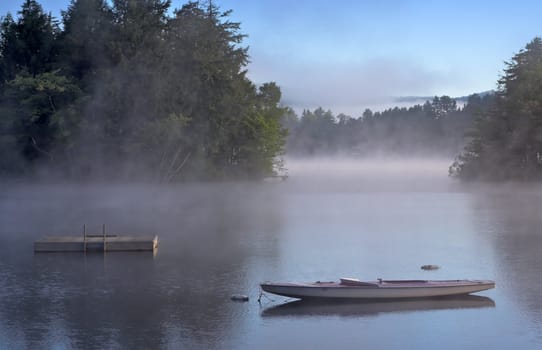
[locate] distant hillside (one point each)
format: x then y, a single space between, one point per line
422 99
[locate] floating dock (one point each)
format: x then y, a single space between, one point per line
96 243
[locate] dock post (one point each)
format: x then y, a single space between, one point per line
105 248
84 238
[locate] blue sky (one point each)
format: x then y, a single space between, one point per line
349 55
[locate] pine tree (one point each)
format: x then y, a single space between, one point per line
84 42
507 140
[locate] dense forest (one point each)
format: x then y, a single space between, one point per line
436 128
133 89
137 90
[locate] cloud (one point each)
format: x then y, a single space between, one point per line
347 87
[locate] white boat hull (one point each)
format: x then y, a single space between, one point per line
377 290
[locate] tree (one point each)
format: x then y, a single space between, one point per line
443 106
507 140
45 115
315 133
8 49
271 140
27 53
29 43
85 41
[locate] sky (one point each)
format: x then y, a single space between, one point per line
350 55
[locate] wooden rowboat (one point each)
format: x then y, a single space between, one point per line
350 288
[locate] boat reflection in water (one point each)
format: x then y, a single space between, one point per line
372 308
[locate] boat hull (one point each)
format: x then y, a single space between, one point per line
377 290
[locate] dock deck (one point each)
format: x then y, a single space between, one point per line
96 243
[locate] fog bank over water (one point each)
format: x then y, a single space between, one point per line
371 174
393 174
368 166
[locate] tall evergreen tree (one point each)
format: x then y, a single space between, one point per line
507 141
85 41
28 43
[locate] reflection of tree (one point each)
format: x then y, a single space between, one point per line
89 302
179 298
512 225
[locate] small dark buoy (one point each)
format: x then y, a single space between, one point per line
430 267
239 297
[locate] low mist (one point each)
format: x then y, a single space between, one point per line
348 174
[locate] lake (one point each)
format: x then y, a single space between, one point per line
329 219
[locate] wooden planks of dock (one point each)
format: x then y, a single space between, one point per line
96 243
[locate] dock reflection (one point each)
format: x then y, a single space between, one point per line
307 308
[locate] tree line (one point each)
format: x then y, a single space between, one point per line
133 89
495 136
436 128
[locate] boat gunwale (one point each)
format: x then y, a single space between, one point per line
385 284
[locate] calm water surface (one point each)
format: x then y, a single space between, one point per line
367 221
